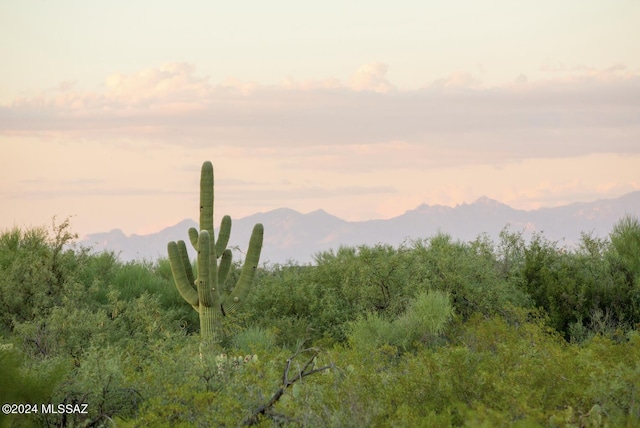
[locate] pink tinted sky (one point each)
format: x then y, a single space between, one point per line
107 114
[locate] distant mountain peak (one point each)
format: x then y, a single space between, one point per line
322 214
485 200
291 235
428 209
319 211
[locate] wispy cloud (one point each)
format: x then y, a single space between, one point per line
365 121
67 192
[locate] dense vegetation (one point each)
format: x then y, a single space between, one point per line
433 333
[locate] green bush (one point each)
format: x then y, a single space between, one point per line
468 272
433 333
425 318
254 340
27 382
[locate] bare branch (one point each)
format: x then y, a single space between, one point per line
265 409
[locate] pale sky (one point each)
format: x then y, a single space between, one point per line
363 109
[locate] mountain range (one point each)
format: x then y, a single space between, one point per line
293 236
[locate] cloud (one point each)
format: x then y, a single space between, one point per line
67 85
556 66
581 74
172 81
367 121
521 79
86 191
458 80
371 77
309 85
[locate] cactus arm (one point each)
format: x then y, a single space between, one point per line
193 237
180 275
223 235
240 291
225 266
182 248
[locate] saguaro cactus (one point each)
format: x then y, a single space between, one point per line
204 291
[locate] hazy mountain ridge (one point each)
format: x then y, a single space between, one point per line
290 235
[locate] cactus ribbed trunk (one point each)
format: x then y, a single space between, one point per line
210 320
207 297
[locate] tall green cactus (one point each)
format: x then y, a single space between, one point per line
207 298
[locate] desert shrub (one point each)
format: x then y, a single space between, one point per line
614 376
353 282
134 279
468 272
625 240
425 318
584 291
26 382
254 340
316 302
100 381
281 302
29 283
433 333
